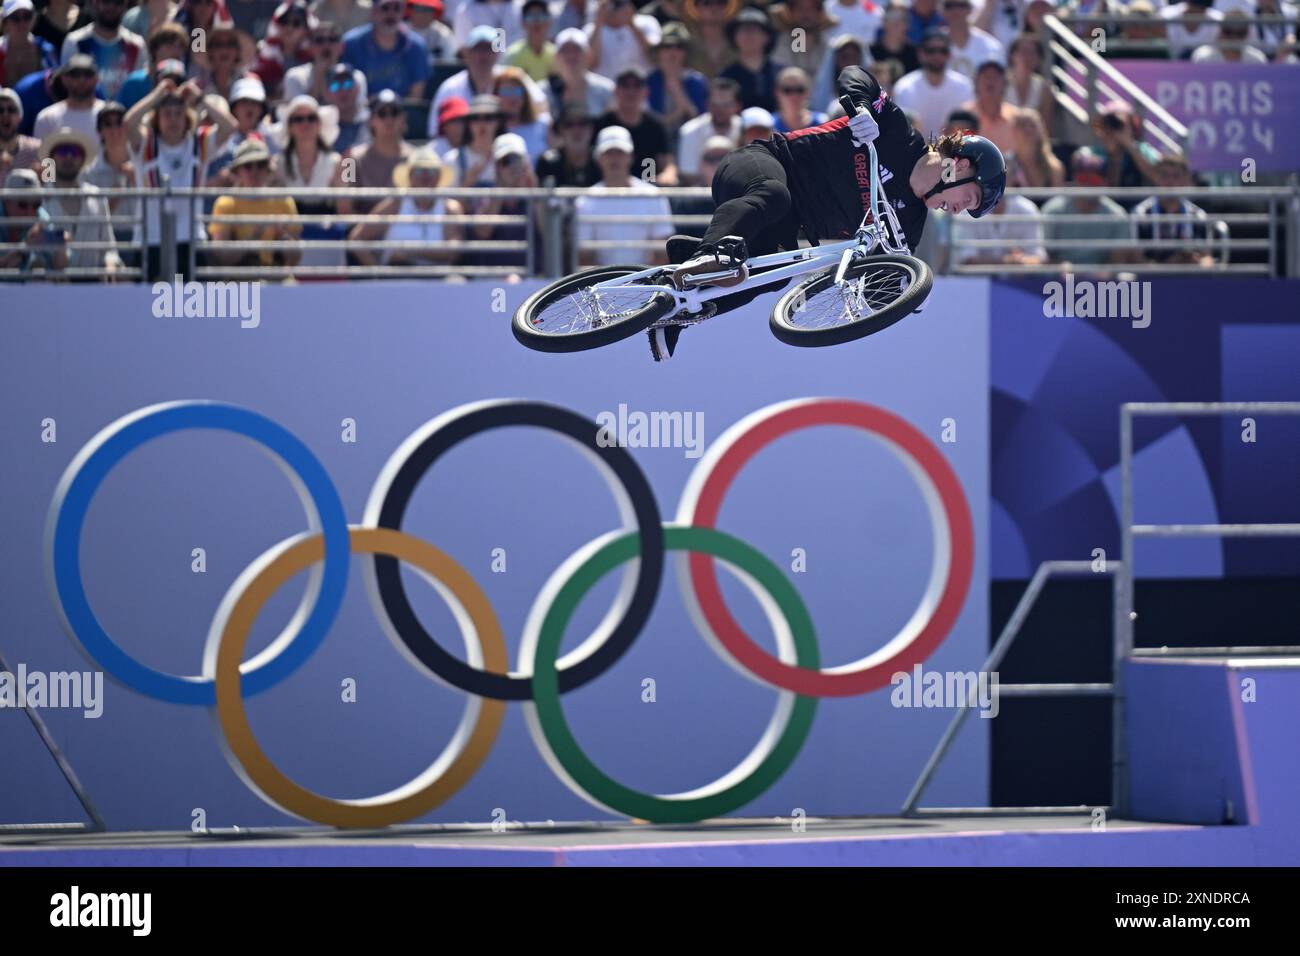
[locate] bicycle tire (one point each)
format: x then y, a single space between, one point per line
921 280
524 323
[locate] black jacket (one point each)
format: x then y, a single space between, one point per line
830 184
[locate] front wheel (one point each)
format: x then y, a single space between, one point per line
876 292
569 315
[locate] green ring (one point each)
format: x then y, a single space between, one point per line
546 693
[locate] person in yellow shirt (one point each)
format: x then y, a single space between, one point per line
251 168
535 53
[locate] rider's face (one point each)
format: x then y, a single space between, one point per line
955 200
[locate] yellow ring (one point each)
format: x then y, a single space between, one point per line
412 800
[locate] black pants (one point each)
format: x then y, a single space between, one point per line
753 201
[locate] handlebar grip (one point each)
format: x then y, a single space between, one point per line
850 109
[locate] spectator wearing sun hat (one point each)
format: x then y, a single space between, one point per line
17 150
471 162
22 53
614 154
251 169
248 107
423 170
304 135
84 216
752 35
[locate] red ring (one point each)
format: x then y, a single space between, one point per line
961 536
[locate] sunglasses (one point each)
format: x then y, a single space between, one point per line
631 83
511 91
80 74
302 118
261 166
514 159
325 38
794 90
389 113
337 86
538 18
68 151
711 3
935 50
22 16
114 122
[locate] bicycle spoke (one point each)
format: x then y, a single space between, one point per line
854 300
590 309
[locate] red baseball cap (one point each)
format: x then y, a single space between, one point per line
434 5
452 108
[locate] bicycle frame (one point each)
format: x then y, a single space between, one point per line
879 229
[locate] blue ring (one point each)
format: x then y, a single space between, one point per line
68 515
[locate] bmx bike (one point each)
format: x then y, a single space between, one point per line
849 290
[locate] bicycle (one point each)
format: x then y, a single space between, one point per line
850 292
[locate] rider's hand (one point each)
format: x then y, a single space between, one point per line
864 128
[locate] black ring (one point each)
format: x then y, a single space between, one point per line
388 576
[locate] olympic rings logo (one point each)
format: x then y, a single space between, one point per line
542 676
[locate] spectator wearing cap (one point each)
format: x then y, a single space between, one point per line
756 123
168 42
677 93
500 16
893 42
843 50
1129 160
817 25
615 155
371 164
111 168
115 52
535 53
453 126
792 93
78 110
348 14
653 150
471 162
971 46
55 19
424 170
76 205
388 52
996 115
935 90
481 56
1110 222
710 50
172 143
424 18
251 168
512 170
23 221
520 116
310 79
20 52
17 150
753 37
305 136
570 162
925 16
572 80
620 37
249 109
722 119
342 91
287 44
1231 45
1154 218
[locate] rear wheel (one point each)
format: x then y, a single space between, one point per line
876 293
569 315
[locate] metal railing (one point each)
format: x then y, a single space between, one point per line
1117 44
1086 81
543 237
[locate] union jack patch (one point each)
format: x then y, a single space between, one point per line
879 104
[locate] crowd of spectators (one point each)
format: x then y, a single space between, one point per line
628 95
